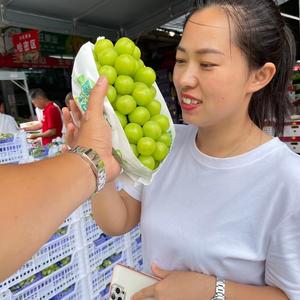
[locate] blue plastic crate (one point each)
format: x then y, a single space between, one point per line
14 149
47 286
90 231
63 243
99 278
102 248
76 291
86 209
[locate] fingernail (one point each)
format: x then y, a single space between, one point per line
100 80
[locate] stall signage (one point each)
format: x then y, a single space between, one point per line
59 44
26 41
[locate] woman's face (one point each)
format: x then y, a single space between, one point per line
210 74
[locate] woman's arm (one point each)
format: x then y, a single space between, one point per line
249 292
37 197
115 212
178 285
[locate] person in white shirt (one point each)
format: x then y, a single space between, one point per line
221 218
7 123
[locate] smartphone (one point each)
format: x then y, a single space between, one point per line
126 282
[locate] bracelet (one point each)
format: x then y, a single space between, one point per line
220 289
95 163
90 163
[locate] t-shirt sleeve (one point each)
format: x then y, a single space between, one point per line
133 189
283 260
14 126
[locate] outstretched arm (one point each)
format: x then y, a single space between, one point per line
37 197
178 285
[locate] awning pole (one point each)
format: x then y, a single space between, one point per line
19 85
29 99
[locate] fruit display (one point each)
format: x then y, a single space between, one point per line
59 233
6 137
132 96
142 128
40 275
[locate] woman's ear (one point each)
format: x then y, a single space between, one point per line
261 77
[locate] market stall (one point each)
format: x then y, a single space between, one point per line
93 18
19 79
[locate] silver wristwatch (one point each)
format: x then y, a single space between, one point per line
95 162
220 290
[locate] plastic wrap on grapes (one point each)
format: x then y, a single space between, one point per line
134 101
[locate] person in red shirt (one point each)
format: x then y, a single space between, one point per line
52 123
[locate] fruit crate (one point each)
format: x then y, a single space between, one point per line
105 246
90 231
135 232
135 252
49 282
99 279
104 293
62 243
85 210
76 291
72 218
14 149
5 295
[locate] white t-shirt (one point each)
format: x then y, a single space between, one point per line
8 124
237 218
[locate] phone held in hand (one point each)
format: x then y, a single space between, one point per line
127 281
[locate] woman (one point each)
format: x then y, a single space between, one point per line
225 204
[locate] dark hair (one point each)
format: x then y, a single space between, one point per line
38 93
263 36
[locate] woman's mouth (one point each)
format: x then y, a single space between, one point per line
189 103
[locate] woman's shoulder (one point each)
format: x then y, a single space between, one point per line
183 131
288 166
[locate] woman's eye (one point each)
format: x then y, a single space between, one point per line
207 65
179 61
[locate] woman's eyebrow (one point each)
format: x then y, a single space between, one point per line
203 51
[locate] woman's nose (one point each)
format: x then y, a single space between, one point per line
188 76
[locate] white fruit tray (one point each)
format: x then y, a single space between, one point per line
99 279
64 242
14 149
102 248
44 286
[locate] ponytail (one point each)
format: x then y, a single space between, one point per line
273 102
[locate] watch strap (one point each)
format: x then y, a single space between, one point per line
220 290
95 162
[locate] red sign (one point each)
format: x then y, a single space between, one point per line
8 61
26 41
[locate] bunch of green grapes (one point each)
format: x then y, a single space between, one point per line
132 95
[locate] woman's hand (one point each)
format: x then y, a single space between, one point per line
91 130
178 285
